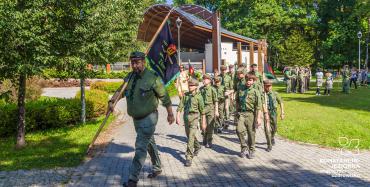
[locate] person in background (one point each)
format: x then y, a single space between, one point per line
353 78
364 74
319 80
182 82
345 79
328 83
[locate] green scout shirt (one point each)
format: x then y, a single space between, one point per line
273 99
220 93
249 99
240 83
287 75
232 78
345 74
191 103
226 81
209 95
143 92
258 85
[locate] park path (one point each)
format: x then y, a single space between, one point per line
288 164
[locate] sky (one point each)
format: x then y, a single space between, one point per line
169 2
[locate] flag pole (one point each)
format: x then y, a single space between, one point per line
117 95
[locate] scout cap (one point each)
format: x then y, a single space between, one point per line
223 67
242 65
137 55
267 82
250 76
206 76
240 70
254 65
217 80
193 82
231 65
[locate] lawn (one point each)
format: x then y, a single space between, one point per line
324 119
63 147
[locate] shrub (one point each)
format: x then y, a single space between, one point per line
96 102
171 89
109 87
9 90
46 113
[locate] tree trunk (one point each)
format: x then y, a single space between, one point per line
83 102
21 142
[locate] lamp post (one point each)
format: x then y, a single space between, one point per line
178 24
359 35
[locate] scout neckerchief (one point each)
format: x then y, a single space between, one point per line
133 85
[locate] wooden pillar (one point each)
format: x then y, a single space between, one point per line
108 68
251 53
239 46
216 40
260 64
204 66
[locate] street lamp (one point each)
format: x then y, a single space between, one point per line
359 35
178 24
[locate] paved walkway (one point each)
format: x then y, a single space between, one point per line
289 164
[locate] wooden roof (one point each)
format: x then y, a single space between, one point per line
196 28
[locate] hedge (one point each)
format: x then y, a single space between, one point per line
111 87
47 113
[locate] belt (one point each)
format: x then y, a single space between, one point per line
140 118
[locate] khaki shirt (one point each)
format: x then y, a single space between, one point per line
220 93
191 103
209 95
143 92
249 99
226 81
273 99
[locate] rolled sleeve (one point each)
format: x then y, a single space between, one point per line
161 92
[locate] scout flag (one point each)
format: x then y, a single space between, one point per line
162 56
269 72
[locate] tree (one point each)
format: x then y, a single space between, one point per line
25 31
297 51
95 32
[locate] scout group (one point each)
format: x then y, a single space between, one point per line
243 94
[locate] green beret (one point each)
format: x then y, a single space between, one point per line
137 55
253 65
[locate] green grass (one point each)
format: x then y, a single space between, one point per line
63 147
323 119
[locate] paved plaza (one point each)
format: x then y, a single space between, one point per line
288 164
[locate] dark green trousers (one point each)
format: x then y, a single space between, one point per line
144 144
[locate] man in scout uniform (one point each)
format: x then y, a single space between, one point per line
143 91
301 80
192 105
249 105
209 95
272 100
287 79
182 82
227 83
345 79
293 79
221 104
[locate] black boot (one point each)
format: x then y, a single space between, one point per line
251 154
188 163
243 153
154 174
196 152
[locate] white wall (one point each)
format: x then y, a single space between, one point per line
228 55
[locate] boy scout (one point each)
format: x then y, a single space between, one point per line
248 106
221 104
227 83
143 91
192 104
287 79
293 79
232 75
209 95
259 82
273 99
345 79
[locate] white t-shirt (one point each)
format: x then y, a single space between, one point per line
319 75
